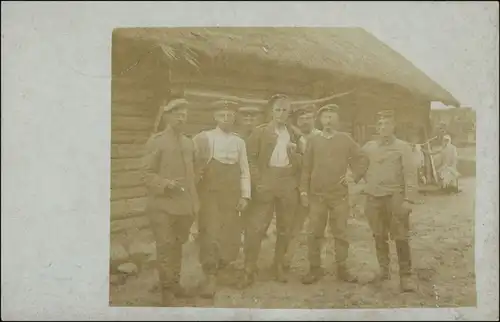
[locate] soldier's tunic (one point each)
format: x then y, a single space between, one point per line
390 179
325 162
225 178
275 171
171 211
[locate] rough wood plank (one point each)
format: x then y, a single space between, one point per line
121 209
131 123
118 165
133 109
120 225
119 151
126 179
131 93
129 137
128 193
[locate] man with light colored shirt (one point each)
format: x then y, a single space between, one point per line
391 186
224 190
274 165
323 188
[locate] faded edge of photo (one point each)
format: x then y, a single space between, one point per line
55 254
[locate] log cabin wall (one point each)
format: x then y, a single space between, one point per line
139 85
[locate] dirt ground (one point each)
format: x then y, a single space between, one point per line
443 257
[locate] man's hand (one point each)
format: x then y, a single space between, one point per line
242 204
292 147
406 206
173 184
304 199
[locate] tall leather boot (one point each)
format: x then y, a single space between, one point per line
382 251
404 258
208 290
341 253
313 276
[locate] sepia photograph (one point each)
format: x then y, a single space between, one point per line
249 161
286 167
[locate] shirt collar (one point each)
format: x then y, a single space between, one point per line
386 140
219 131
328 135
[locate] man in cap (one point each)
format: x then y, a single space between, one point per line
304 119
224 190
391 186
247 119
324 189
274 167
172 197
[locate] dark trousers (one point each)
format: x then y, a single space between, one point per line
387 219
278 194
301 215
321 208
219 221
170 232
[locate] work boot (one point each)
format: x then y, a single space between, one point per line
280 274
208 290
167 298
180 292
344 275
382 275
406 283
341 252
247 280
314 275
404 258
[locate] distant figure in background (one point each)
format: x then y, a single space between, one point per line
418 157
304 119
324 189
247 119
391 188
224 190
172 197
446 159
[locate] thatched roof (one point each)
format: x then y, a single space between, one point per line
350 51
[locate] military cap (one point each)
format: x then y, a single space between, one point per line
309 108
329 107
174 104
386 114
276 97
249 110
224 105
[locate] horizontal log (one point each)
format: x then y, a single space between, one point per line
128 193
131 93
120 225
133 109
119 151
121 209
126 179
131 123
118 165
129 137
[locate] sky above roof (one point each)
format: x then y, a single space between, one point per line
453 43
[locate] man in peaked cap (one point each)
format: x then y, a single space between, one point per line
247 120
324 189
224 190
274 164
172 196
391 188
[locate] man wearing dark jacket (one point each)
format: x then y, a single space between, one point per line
274 167
172 197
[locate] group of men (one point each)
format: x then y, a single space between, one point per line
285 168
